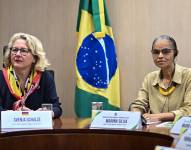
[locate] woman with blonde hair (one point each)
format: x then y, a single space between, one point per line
25 82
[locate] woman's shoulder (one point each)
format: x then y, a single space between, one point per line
183 70
1 74
2 79
48 73
47 76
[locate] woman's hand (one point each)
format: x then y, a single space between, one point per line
135 110
42 109
169 116
152 117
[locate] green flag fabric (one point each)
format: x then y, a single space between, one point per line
97 69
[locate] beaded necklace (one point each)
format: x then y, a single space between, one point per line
170 88
167 91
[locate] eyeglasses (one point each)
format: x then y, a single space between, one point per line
23 51
164 51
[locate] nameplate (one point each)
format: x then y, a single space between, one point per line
164 148
185 141
20 120
181 124
117 120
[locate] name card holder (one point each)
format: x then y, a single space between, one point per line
185 141
25 120
117 120
182 124
164 148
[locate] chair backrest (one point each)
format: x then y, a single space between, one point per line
4 51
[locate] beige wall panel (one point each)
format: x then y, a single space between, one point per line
135 24
54 23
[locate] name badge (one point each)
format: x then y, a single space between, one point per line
117 120
25 120
181 124
185 141
164 148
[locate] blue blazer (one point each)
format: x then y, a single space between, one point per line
45 93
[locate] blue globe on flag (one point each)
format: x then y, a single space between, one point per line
96 60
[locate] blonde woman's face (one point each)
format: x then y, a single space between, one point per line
21 56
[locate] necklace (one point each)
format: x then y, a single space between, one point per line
25 88
169 86
167 91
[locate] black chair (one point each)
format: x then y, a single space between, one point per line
4 51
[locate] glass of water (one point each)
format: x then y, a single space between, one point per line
97 107
47 107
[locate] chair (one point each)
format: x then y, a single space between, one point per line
4 51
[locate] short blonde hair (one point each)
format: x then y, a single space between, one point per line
35 45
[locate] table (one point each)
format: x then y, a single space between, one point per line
73 134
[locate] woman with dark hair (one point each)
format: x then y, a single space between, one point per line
165 93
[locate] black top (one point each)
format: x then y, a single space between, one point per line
44 93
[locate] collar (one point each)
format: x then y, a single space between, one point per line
177 78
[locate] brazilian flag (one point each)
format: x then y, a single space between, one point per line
96 61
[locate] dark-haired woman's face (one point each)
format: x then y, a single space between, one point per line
163 54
